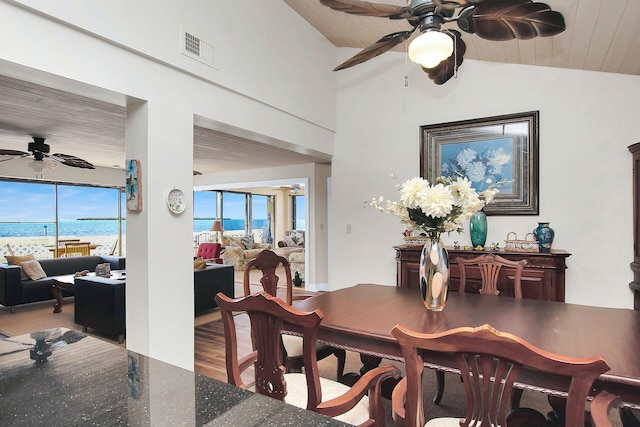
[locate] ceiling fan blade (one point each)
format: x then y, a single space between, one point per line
15 153
442 72
501 20
12 154
73 161
454 4
366 8
378 48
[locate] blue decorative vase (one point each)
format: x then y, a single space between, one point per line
478 229
544 235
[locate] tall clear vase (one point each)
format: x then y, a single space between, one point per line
434 274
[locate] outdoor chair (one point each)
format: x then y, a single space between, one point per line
76 249
267 262
358 405
490 362
489 266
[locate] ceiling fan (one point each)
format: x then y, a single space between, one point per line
439 50
42 159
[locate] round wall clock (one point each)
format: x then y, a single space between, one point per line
176 201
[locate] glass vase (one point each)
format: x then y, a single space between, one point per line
478 229
434 274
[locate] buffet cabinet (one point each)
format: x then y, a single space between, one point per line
542 277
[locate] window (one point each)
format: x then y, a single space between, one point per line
240 213
204 210
298 212
36 217
261 216
234 212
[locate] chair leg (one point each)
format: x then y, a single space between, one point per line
440 387
341 355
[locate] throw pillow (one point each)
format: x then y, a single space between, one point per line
288 241
297 237
33 269
16 260
247 241
199 263
225 241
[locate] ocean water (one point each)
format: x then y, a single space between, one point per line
101 227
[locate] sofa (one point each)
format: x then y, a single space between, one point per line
16 290
292 239
240 250
100 302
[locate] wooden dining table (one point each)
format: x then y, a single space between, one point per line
360 319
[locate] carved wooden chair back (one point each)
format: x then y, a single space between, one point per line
490 266
490 361
268 315
77 249
267 262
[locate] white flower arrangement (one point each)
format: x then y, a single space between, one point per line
444 206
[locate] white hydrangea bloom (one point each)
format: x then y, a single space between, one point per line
412 191
437 201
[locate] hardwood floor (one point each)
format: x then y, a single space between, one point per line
209 356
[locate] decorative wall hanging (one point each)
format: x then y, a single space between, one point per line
134 185
491 148
176 201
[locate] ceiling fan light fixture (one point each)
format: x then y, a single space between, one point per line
430 48
37 166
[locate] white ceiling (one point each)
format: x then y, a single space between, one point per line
599 37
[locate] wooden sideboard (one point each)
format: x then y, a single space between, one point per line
542 278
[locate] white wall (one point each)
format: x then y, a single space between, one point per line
132 49
587 120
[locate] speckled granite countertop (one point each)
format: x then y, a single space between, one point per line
86 381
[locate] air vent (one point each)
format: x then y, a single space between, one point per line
198 49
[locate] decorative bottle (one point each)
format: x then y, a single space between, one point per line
544 235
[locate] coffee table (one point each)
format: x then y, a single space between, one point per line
66 282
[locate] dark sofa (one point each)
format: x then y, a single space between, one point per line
100 303
14 291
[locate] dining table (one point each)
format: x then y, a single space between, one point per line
360 318
62 377
60 250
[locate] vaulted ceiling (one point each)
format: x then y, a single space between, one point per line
600 36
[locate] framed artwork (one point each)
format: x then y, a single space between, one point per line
133 185
499 148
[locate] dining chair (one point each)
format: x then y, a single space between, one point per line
267 261
489 266
210 252
77 249
490 362
358 405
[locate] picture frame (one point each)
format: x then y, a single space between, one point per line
133 185
499 148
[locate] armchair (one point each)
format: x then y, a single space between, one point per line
210 252
240 250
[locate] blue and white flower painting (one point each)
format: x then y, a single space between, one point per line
480 161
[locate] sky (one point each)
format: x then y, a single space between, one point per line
38 203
